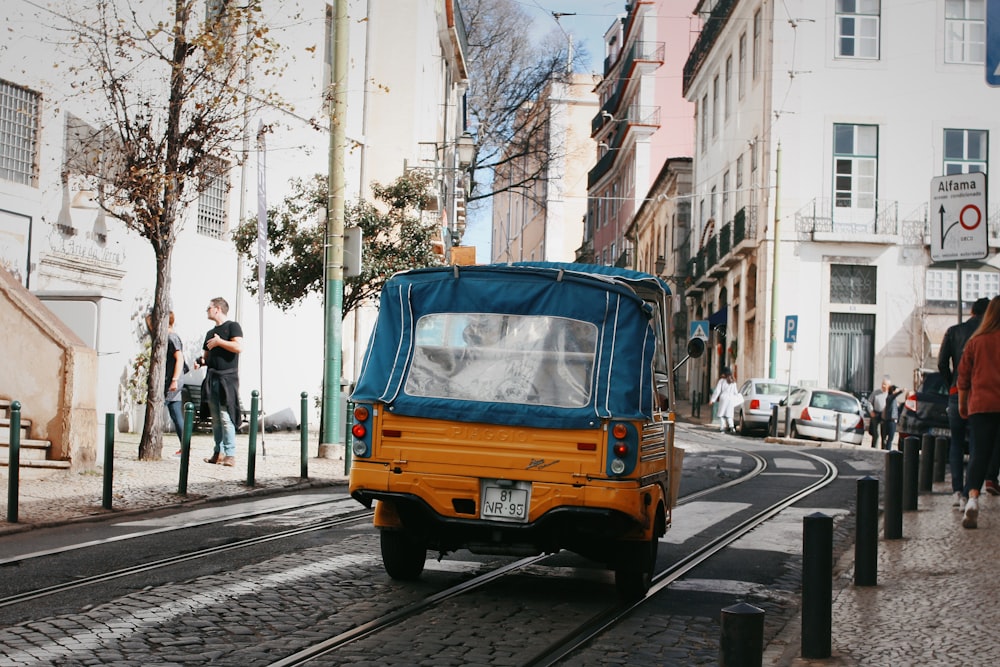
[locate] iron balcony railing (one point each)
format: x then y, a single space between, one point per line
639 51
706 40
636 115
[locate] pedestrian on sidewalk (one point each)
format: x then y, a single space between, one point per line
221 356
877 402
979 402
728 395
890 416
175 367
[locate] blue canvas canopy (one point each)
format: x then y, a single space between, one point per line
584 332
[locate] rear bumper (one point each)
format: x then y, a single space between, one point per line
824 431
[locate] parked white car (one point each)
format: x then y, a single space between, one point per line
759 394
813 413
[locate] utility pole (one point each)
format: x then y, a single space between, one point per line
333 268
773 361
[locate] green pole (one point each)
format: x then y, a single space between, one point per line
304 437
773 360
14 461
334 256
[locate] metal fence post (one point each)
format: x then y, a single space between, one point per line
14 461
304 436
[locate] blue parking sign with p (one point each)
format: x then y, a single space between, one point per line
791 328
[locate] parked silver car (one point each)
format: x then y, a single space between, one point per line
813 413
759 394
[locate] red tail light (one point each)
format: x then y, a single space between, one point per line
911 401
860 424
359 430
805 415
619 431
755 404
360 413
620 449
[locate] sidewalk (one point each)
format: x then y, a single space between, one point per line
63 497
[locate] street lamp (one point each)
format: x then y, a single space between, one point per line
465 145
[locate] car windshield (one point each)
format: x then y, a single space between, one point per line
933 383
834 402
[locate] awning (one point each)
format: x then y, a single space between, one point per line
717 318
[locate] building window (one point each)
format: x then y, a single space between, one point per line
704 121
965 151
858 28
965 31
18 134
739 182
756 44
725 197
850 283
941 285
212 202
855 163
728 92
742 71
715 106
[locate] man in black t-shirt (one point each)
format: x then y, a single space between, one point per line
221 356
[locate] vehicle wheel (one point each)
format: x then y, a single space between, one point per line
634 572
743 425
402 555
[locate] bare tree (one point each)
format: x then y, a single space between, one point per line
177 97
507 74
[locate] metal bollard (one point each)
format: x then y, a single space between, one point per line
774 421
866 537
893 522
14 461
817 585
252 447
911 472
941 445
182 482
109 459
837 433
742 636
926 475
304 436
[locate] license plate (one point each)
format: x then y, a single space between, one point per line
507 501
940 431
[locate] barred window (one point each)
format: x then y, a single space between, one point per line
19 109
942 285
212 203
850 283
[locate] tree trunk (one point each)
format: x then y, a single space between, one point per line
151 443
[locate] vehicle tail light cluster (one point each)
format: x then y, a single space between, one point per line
805 415
623 446
755 404
361 432
860 425
911 401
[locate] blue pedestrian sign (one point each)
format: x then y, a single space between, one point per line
993 42
791 328
699 329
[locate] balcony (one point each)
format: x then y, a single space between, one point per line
706 40
635 117
641 55
821 220
737 237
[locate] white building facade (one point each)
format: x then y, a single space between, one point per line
865 102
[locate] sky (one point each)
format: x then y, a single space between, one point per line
586 21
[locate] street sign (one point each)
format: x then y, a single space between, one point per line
993 42
958 213
699 329
791 328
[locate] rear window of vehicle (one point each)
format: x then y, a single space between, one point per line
772 389
933 383
834 402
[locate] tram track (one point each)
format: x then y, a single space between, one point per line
597 623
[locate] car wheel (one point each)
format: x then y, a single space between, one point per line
634 572
743 425
402 554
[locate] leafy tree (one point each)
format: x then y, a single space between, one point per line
395 239
507 75
175 97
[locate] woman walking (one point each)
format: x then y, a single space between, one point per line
728 395
979 402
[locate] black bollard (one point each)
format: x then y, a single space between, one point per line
109 459
926 475
817 585
182 481
773 423
941 445
304 436
866 537
742 639
893 495
14 461
911 472
252 444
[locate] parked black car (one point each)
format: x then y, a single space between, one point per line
926 408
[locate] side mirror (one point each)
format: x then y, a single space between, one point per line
695 347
